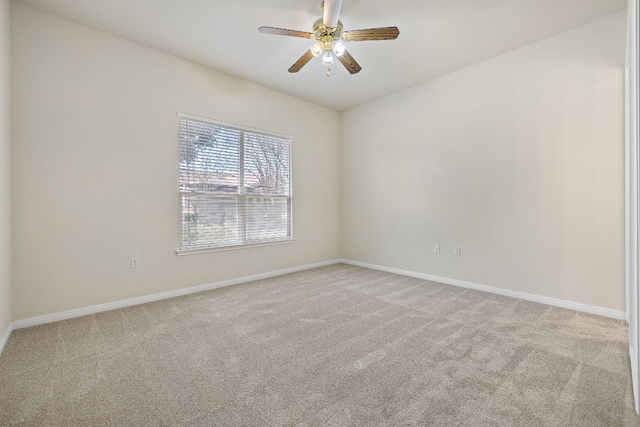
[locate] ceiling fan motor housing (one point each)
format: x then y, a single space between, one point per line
326 34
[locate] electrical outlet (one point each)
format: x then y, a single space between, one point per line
457 251
316 241
135 262
436 249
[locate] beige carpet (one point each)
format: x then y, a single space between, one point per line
334 346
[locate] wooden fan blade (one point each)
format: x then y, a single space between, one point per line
349 63
285 32
308 56
384 33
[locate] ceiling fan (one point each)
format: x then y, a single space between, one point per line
330 38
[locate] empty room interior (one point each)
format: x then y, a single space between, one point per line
306 213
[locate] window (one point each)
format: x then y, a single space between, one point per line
235 185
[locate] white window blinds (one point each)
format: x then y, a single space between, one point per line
235 185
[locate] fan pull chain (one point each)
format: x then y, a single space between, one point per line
328 71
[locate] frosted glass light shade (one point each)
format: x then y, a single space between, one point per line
327 58
339 48
317 49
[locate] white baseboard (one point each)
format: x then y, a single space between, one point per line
48 318
5 337
601 311
39 320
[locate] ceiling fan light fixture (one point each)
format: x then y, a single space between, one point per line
317 49
327 58
339 48
329 37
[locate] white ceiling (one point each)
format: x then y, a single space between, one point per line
436 36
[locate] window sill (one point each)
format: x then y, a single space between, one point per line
184 252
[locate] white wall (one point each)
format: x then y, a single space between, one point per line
5 171
632 197
519 160
95 162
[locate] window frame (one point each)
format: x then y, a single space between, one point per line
241 196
